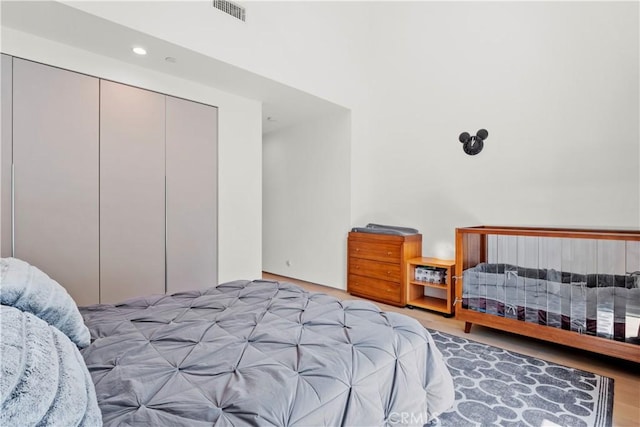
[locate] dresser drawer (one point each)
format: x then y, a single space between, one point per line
376 265
375 251
375 269
381 290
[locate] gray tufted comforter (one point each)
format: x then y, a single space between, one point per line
262 353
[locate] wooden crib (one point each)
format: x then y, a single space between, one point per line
576 287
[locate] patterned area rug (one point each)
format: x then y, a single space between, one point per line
496 387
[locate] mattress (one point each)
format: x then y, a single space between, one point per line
596 304
262 353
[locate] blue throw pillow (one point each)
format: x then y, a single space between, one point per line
44 380
26 288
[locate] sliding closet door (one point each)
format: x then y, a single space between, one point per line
55 153
132 192
191 142
6 69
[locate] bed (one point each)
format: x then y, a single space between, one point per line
260 353
577 287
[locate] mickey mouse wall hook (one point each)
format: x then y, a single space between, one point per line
472 145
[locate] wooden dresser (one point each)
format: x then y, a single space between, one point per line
376 265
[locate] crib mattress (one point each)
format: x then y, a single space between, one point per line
598 304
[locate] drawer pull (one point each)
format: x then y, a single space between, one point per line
357 249
388 273
389 253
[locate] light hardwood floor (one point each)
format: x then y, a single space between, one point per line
626 375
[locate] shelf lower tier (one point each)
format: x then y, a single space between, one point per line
442 286
430 303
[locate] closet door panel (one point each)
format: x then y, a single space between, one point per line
191 143
55 153
132 192
6 70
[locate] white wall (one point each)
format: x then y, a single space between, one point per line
555 83
239 143
306 194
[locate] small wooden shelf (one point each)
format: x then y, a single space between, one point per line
443 300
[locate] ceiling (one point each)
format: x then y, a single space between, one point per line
282 105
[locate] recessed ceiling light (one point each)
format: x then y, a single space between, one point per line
139 50
170 59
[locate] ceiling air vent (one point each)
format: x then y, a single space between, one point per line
230 8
